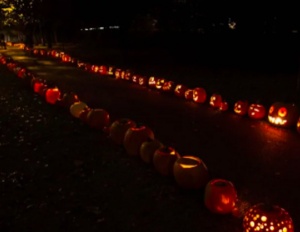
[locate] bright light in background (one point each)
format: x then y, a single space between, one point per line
99 28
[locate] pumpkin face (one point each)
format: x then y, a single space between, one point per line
241 107
256 111
188 95
160 83
135 79
117 73
190 172
180 90
152 82
220 196
98 119
52 95
118 129
95 68
215 100
223 106
148 148
103 70
111 70
169 86
199 95
143 80
164 159
283 114
77 107
262 217
134 137
127 75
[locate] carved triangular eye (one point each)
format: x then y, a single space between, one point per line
282 112
271 109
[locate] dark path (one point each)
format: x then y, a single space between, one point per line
262 161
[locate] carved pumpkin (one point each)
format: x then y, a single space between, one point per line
199 95
135 78
160 83
143 80
152 82
127 75
256 111
134 137
220 196
169 86
263 217
122 75
180 90
190 172
95 68
118 129
68 99
98 119
223 106
148 148
21 73
103 70
241 107
283 114
188 94
164 159
118 73
111 70
38 84
77 107
215 100
52 95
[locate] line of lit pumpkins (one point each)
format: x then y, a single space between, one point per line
280 114
189 172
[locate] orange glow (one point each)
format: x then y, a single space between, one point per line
189 162
277 120
282 112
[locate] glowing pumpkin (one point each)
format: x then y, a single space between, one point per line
127 75
152 82
283 114
164 159
263 217
148 148
134 137
103 70
223 106
160 83
241 107
118 129
118 73
256 111
143 80
135 78
111 70
98 119
215 100
21 73
77 107
180 90
199 95
220 196
52 95
188 94
190 172
169 86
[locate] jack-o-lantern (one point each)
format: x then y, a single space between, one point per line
256 111
134 137
38 84
220 196
199 95
52 95
164 159
168 86
160 83
67 99
190 172
148 148
241 107
283 114
66 58
152 82
135 78
180 90
98 119
264 217
111 70
143 80
122 75
188 94
118 129
298 125
77 107
223 106
127 75
215 100
102 70
118 73
95 68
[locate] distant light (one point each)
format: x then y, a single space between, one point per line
114 27
101 28
231 24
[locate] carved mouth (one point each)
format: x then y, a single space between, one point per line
277 120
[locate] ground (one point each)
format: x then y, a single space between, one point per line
59 175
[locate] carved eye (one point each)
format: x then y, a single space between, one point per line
282 112
271 109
